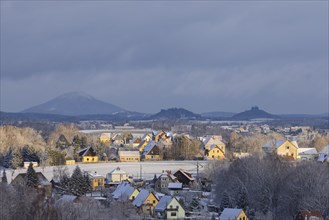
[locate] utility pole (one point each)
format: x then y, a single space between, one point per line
140 170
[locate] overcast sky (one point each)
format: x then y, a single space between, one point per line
144 56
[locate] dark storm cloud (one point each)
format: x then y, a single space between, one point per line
145 56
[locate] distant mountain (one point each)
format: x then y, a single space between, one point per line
74 104
254 113
174 114
211 115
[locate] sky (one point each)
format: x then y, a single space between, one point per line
145 56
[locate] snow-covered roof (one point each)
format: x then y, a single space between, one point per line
121 190
325 150
128 153
323 157
142 195
93 175
67 199
175 186
230 214
185 173
307 151
118 171
163 203
149 147
277 143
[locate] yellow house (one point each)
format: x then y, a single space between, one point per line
169 208
69 162
215 153
284 148
96 181
105 138
147 137
88 155
134 195
210 140
145 202
129 156
152 151
233 214
142 145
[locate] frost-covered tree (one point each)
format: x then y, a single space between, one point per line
77 183
17 159
31 177
242 198
4 177
225 202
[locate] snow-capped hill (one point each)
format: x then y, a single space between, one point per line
75 103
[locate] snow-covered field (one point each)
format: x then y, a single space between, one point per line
132 168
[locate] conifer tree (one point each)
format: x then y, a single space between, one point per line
31 177
225 202
4 177
242 198
77 182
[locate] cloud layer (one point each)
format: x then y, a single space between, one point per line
143 56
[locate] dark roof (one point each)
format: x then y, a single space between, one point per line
84 151
41 178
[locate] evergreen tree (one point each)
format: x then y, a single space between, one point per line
250 213
225 202
17 159
77 183
87 186
242 198
4 177
31 177
29 154
65 182
265 203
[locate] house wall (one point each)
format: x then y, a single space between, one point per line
69 162
150 202
287 149
129 158
105 140
90 159
175 210
97 183
134 195
152 157
216 154
242 216
119 177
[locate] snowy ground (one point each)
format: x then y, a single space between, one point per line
132 168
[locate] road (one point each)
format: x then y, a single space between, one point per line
132 168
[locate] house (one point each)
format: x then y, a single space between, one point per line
142 145
284 148
162 182
169 208
69 162
159 135
175 188
27 164
124 192
117 175
135 142
134 194
184 177
145 201
151 151
309 215
105 138
210 140
233 214
96 181
215 152
307 153
118 140
43 183
324 154
129 156
88 155
147 137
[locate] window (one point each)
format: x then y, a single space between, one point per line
173 214
243 218
287 147
153 201
171 206
212 156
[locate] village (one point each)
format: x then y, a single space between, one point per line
176 193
